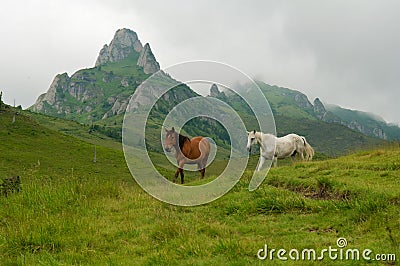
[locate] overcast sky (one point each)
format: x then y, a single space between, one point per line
344 52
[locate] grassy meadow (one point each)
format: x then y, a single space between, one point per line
73 211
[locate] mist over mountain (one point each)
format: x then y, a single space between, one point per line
101 94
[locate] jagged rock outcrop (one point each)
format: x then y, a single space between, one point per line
325 115
148 92
98 93
148 61
118 107
63 87
379 133
215 92
365 123
53 95
319 109
124 42
355 125
78 87
302 101
125 82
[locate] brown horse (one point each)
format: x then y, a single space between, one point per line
190 151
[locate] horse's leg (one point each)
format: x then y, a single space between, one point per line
301 153
203 166
275 161
262 160
202 169
180 168
199 168
176 174
293 156
182 175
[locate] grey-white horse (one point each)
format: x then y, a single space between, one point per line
274 148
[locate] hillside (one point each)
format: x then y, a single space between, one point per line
71 210
365 122
28 148
98 97
293 112
294 104
101 135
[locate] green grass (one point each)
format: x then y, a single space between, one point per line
72 211
75 129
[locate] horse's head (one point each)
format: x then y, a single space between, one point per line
251 139
170 139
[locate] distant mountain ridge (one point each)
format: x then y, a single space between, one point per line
367 123
101 94
296 104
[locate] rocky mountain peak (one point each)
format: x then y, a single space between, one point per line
59 83
148 61
302 100
215 92
319 108
125 41
87 95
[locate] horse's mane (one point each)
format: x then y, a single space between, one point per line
182 140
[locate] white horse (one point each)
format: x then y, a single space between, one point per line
274 148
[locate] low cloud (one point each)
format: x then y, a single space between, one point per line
344 52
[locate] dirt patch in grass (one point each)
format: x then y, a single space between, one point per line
324 189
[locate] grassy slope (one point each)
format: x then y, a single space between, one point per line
283 103
73 128
74 211
330 139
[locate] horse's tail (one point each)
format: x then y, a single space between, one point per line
309 150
